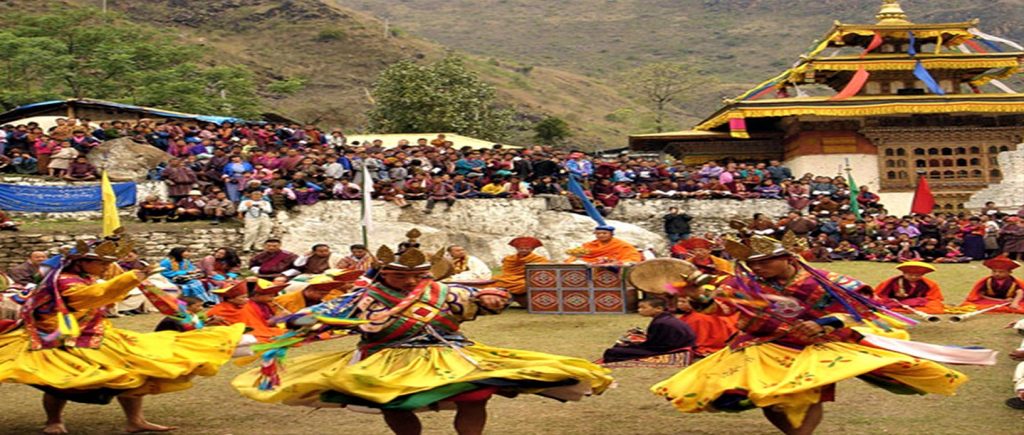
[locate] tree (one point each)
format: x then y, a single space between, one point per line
84 53
551 130
439 97
660 84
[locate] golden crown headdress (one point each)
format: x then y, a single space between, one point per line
111 248
759 247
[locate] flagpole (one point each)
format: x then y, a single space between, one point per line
366 206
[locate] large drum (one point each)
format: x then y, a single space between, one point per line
578 289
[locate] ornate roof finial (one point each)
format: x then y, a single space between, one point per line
891 13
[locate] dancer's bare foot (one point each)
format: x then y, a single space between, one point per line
55 428
145 426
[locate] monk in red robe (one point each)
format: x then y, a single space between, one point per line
262 304
605 249
999 288
698 252
513 267
713 332
912 289
234 308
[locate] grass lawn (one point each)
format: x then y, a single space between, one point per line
212 407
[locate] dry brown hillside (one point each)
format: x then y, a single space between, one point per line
339 53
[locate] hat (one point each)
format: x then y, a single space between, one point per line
605 227
345 276
235 290
525 243
195 192
110 249
916 267
264 287
1001 262
323 282
759 247
696 243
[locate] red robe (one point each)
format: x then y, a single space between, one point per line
923 295
713 332
247 315
988 292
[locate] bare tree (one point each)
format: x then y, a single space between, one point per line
660 84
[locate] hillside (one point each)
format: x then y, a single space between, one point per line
741 42
339 53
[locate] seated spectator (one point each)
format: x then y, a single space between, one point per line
219 208
190 207
152 208
463 189
495 189
517 188
345 189
846 251
23 163
665 334
81 170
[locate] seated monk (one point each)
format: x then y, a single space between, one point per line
698 252
261 303
999 288
713 332
234 308
465 267
605 249
911 289
513 267
665 334
312 294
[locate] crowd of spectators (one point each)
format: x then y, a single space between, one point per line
297 165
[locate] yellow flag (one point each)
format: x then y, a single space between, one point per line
111 221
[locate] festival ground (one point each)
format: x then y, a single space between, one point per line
213 407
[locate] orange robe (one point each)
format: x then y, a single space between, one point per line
925 296
292 302
248 316
987 292
513 272
616 250
721 266
713 332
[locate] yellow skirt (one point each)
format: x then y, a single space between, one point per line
416 377
792 380
129 362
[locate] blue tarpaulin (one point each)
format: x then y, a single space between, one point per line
61 199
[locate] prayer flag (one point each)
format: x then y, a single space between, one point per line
924 201
854 86
588 205
367 204
854 193
111 220
923 75
738 128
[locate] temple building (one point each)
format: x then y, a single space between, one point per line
891 100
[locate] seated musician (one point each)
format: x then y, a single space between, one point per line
712 332
320 288
465 267
698 252
513 267
234 308
665 334
912 289
605 249
261 303
999 288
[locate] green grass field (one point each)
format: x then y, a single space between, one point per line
212 407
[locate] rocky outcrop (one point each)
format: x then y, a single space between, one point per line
126 159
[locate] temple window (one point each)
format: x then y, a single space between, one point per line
873 88
920 164
1004 148
918 151
901 163
993 150
890 163
961 174
975 161
976 173
935 174
947 162
934 163
947 151
961 150
947 174
995 173
901 152
975 150
891 175
903 175
961 162
933 151
889 152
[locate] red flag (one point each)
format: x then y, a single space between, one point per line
924 201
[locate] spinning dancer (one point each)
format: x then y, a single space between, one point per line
412 355
795 342
63 345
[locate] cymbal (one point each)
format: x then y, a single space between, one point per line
654 276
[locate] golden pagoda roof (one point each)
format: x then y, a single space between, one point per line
861 106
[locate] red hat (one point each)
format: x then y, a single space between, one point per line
264 287
1001 262
525 243
696 243
916 267
348 276
235 290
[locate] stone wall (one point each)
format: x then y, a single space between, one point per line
485 226
1008 194
152 246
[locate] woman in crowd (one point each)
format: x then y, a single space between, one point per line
178 269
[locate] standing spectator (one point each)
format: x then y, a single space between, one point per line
1012 235
233 176
81 170
219 208
179 179
577 164
677 225
777 172
255 214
